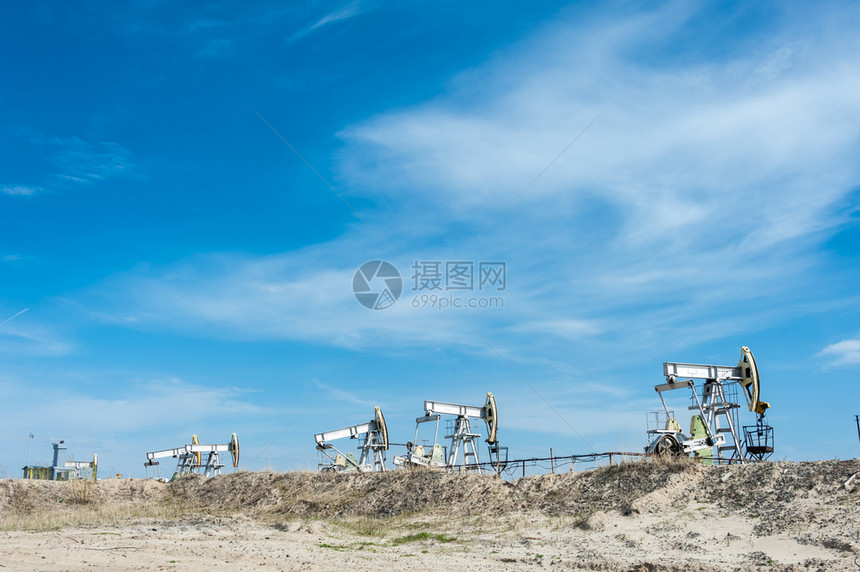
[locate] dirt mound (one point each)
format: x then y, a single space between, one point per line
769 490
26 497
324 494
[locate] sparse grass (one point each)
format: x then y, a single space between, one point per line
85 516
81 491
422 537
365 527
373 527
106 534
43 506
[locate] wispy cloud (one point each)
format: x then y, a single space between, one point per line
12 317
344 13
21 338
705 186
20 190
72 161
846 352
568 329
85 162
677 146
695 205
305 295
132 417
346 396
708 180
339 15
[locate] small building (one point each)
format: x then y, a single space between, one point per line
66 471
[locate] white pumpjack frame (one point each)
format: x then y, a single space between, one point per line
462 437
373 447
190 457
712 406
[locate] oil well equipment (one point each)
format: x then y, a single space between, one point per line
462 452
714 424
65 470
372 448
190 457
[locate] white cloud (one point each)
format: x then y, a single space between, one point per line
26 336
85 162
752 146
568 329
694 204
75 161
846 352
333 393
151 403
13 316
305 295
20 190
351 10
344 13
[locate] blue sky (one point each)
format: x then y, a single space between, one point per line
183 270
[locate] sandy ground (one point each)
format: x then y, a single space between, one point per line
779 516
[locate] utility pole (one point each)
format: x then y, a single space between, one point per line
29 448
857 420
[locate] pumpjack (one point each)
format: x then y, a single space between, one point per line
190 457
461 435
372 457
714 425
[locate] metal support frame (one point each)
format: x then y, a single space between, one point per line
463 439
713 408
